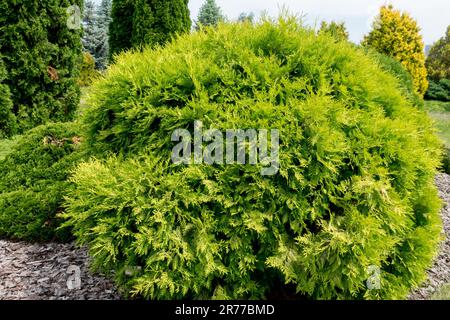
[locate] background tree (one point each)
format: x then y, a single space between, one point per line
438 60
42 57
90 31
246 17
121 26
146 22
7 118
335 29
396 34
156 21
209 15
103 21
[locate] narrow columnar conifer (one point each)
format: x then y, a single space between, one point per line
42 55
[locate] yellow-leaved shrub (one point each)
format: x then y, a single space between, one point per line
397 34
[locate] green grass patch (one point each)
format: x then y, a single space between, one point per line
437 106
440 112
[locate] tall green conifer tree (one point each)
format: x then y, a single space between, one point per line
41 49
137 23
156 21
121 26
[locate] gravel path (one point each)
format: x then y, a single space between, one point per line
439 273
48 271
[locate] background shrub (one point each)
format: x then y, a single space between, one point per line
156 21
438 60
439 90
96 20
42 56
33 182
355 187
88 72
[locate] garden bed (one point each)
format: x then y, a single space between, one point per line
39 271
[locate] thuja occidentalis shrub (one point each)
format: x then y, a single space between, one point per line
33 182
354 191
404 78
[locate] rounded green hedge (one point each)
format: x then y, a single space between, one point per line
33 182
354 191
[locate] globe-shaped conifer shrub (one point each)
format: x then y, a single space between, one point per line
350 212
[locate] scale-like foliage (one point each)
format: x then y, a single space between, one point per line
156 21
42 56
121 26
8 123
354 191
33 182
137 23
405 80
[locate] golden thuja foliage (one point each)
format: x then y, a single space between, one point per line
397 34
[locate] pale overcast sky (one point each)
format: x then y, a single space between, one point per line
433 15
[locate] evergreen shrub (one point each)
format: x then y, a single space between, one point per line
8 123
355 189
439 90
42 58
33 182
405 80
88 72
